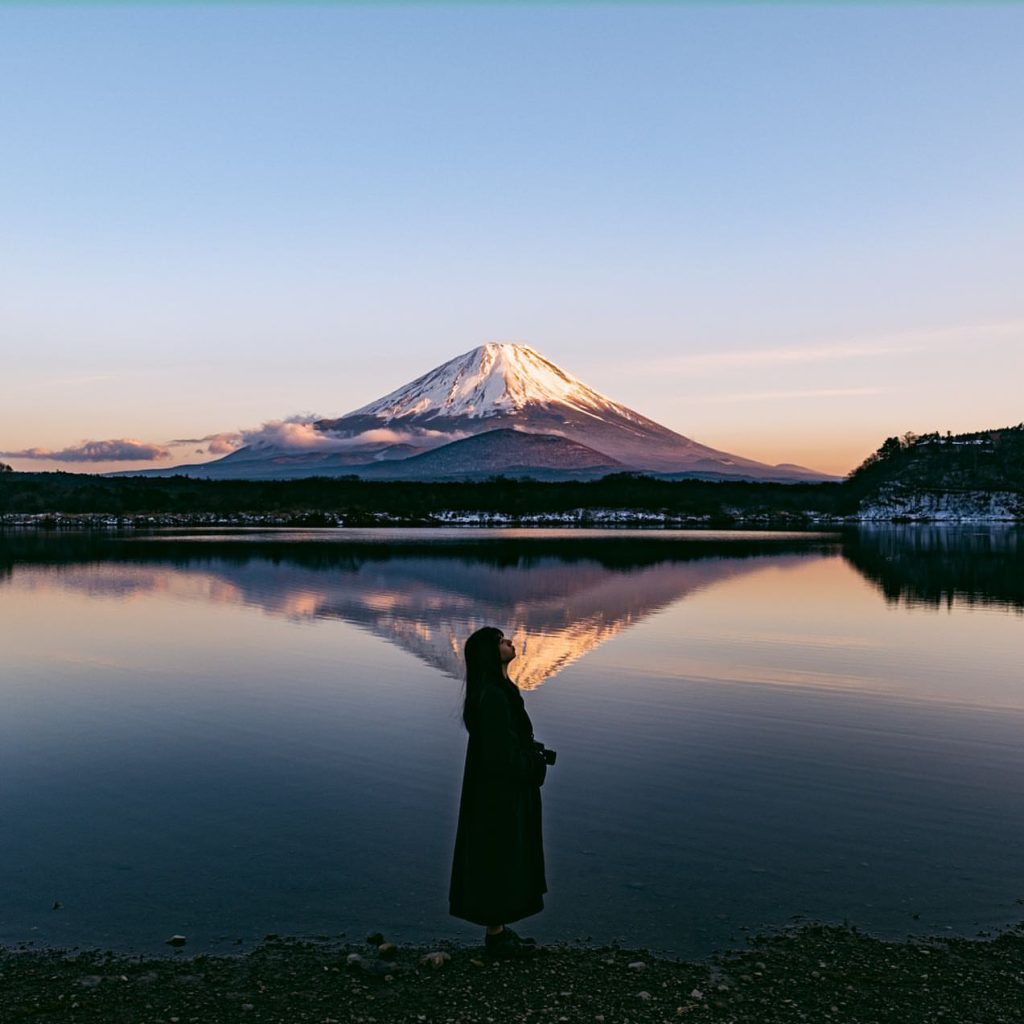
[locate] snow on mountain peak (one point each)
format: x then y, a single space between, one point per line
498 377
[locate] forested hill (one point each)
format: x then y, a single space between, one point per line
987 460
951 476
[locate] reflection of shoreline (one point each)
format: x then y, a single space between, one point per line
936 566
624 548
555 610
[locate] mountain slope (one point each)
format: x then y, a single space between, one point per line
498 453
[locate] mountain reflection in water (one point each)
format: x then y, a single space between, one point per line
556 600
557 595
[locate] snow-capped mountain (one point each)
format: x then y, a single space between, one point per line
491 380
498 390
512 387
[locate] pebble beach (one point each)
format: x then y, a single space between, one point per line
815 973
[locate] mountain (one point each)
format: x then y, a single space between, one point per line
498 390
513 387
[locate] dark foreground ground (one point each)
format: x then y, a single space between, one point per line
815 974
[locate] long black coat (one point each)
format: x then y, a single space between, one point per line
498 869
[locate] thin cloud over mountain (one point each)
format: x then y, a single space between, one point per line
302 433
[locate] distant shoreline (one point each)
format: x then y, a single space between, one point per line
577 519
583 518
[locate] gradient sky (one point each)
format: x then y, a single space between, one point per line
784 231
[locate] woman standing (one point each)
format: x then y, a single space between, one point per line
498 869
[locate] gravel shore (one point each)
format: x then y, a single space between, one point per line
815 973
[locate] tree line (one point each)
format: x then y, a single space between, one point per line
351 498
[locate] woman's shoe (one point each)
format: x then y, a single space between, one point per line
507 945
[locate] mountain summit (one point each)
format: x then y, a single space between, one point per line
491 380
525 416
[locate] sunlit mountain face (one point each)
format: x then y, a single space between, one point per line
555 610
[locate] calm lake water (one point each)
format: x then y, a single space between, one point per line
224 735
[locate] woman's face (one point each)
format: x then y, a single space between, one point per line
506 650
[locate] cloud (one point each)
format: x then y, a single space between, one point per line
295 434
123 449
301 433
222 444
216 444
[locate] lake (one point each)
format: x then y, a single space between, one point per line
227 734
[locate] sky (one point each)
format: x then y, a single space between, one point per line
785 231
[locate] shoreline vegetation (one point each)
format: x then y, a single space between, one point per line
813 973
69 501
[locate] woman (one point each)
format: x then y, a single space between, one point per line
498 869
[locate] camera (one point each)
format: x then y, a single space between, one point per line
547 756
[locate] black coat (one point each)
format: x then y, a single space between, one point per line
498 868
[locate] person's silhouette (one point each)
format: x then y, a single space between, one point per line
498 867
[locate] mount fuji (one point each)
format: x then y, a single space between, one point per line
501 408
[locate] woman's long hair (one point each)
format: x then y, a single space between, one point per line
483 666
